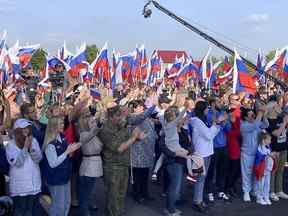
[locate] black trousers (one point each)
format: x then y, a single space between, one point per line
2 185
141 181
234 171
218 166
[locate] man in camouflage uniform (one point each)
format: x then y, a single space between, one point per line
116 141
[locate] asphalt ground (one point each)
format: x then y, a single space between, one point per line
155 208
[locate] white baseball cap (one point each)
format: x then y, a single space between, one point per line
21 123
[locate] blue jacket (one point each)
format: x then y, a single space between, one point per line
220 140
61 174
39 133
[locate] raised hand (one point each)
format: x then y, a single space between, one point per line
73 147
28 141
137 134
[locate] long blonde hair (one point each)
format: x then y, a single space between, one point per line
83 122
51 131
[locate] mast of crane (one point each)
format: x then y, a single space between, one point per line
148 12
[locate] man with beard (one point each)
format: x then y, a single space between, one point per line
116 140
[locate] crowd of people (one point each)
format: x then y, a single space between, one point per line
137 134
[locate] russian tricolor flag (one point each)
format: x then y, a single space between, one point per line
203 67
155 68
277 63
95 94
175 68
242 80
259 165
100 66
188 70
116 70
25 54
143 63
78 59
226 65
126 62
136 66
64 54
285 70
213 75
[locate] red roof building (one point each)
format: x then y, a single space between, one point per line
169 56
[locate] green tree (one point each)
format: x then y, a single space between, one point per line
38 60
92 51
270 55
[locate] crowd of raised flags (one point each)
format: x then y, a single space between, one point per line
136 66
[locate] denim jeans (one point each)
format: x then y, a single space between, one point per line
23 205
86 185
175 175
199 185
61 199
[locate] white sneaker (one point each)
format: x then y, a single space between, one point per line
223 196
176 213
211 197
246 197
154 177
282 195
261 201
268 201
274 197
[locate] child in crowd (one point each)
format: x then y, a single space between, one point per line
264 164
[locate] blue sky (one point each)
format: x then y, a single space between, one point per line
252 23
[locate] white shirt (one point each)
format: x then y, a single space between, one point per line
24 173
202 137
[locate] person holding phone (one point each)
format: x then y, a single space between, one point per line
24 154
57 166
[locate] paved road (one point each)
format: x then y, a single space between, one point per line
155 208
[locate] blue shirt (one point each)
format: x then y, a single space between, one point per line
220 140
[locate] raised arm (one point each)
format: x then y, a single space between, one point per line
138 119
7 114
137 134
86 136
35 151
204 131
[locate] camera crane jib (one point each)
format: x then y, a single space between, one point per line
147 12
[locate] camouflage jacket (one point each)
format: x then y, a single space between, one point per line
112 137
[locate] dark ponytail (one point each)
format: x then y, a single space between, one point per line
199 110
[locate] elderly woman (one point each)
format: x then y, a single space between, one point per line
142 152
91 166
